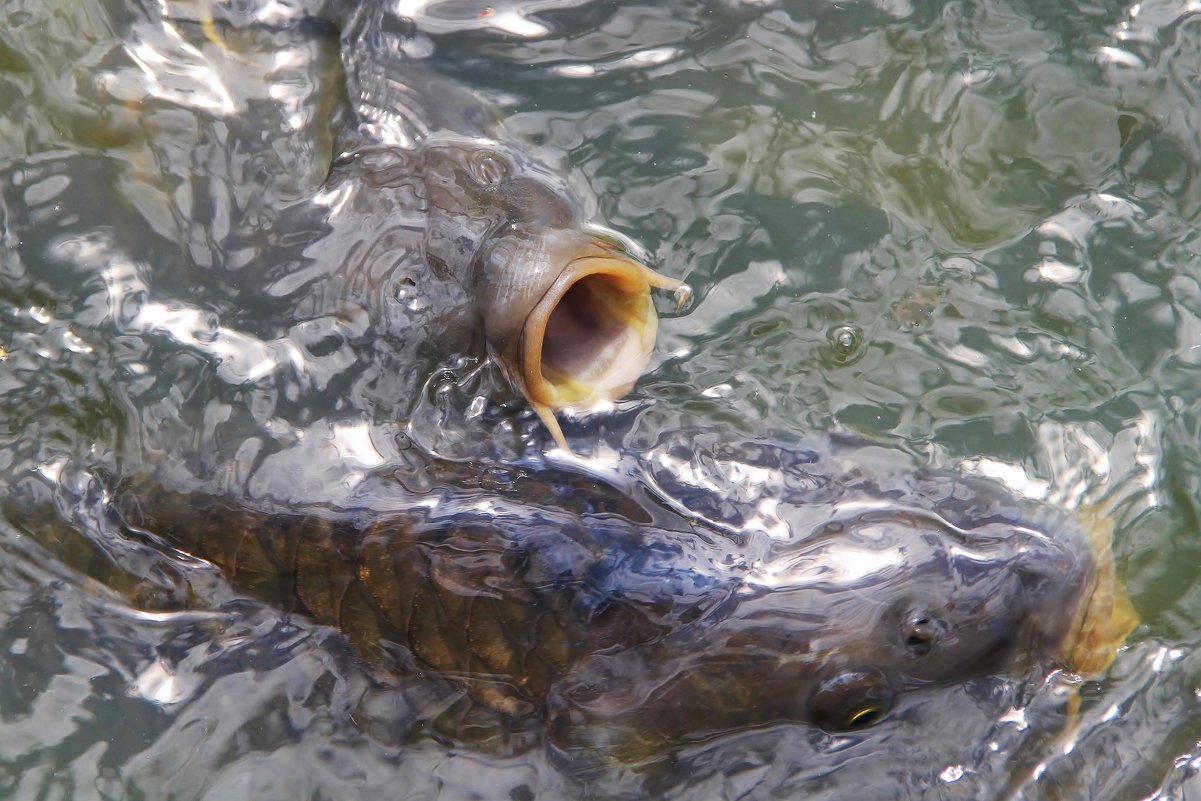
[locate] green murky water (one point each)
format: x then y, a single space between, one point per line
964 230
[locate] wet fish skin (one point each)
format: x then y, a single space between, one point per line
622 640
461 244
494 248
933 605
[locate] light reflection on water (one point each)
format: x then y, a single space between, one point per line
998 197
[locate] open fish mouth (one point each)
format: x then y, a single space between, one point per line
591 335
588 336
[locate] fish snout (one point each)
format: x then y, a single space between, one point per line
1056 576
570 319
1015 599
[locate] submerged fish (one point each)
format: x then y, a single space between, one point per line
622 639
564 309
441 232
616 632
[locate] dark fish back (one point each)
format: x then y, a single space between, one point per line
505 601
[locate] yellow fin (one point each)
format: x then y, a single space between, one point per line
1108 616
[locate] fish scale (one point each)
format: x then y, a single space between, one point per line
621 640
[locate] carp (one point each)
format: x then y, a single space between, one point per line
447 238
561 606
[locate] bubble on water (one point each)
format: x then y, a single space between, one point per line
847 343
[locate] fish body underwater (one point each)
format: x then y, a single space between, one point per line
557 608
617 621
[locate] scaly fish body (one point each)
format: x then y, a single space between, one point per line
622 638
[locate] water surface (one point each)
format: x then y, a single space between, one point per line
963 230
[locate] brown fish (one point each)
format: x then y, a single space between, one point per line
621 639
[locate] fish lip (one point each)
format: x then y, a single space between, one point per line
634 326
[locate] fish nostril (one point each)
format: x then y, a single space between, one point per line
920 631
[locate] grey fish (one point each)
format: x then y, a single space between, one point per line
439 230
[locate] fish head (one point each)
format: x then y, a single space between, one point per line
476 191
832 630
925 601
565 308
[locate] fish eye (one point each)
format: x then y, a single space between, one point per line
488 168
921 631
853 699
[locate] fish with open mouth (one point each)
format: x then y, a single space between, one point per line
564 308
433 235
617 636
441 232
